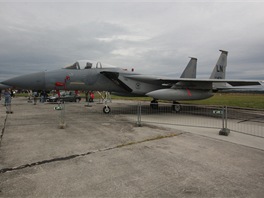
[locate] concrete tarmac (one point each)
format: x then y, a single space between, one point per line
99 155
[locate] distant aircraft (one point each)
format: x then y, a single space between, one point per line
91 76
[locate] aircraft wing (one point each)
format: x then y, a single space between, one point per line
181 82
215 84
147 78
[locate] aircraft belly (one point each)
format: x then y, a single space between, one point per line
180 94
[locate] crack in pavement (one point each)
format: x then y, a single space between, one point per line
252 120
3 130
4 170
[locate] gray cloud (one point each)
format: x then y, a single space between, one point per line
154 38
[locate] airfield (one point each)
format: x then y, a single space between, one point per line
98 155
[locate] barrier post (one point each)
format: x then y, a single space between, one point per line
139 114
224 131
62 124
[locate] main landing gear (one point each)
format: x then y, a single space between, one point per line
154 104
175 105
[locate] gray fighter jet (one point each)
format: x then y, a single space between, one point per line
91 76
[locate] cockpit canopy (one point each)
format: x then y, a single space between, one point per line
87 64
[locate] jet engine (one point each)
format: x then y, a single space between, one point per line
180 94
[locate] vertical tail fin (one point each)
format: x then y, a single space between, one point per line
220 67
220 70
190 70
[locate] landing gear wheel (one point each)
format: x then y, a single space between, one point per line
154 104
176 107
106 109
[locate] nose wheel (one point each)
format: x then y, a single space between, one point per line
106 109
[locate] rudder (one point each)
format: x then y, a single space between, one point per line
220 67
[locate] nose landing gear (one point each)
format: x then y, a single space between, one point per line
106 109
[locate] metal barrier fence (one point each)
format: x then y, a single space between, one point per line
247 121
189 115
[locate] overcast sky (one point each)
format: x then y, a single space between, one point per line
152 37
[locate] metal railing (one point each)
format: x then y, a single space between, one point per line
247 121
226 119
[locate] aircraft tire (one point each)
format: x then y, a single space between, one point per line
176 107
106 109
154 104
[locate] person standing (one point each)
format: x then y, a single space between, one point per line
7 95
91 96
35 97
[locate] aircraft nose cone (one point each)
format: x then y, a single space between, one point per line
28 81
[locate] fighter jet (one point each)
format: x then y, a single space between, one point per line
90 76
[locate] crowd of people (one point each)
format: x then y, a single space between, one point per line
34 95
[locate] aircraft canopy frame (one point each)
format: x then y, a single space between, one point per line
88 64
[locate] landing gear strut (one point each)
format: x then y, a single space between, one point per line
154 104
106 108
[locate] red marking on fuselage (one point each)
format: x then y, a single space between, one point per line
59 84
189 92
63 84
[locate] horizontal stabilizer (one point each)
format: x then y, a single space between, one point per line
242 83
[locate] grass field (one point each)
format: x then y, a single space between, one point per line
255 101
